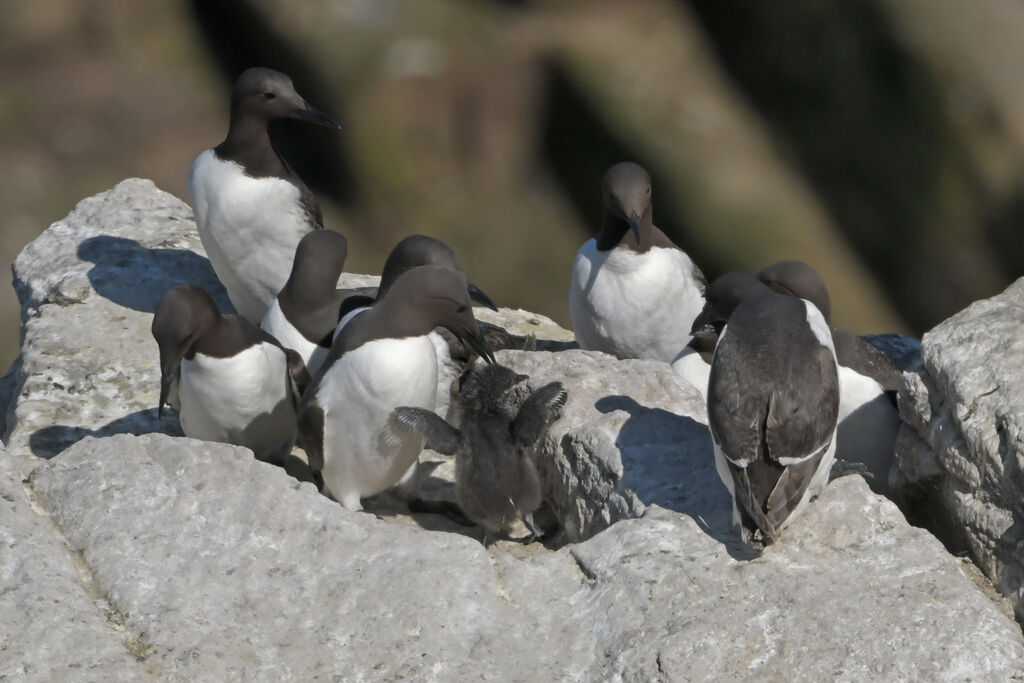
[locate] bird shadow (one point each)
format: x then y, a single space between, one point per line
668 460
136 277
47 442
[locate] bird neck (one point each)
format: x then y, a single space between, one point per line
615 231
248 143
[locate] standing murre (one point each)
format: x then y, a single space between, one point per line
633 293
382 359
773 402
869 421
411 252
305 313
236 384
415 251
251 208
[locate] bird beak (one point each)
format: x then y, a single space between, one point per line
315 116
634 225
478 344
477 295
703 324
165 389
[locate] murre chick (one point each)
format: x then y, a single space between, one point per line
633 294
305 313
773 400
496 475
251 208
237 384
382 359
869 421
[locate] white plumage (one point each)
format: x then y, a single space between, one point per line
245 399
362 455
447 369
868 426
249 227
634 305
278 326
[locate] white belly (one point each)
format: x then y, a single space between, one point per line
695 370
447 369
362 456
250 228
868 427
633 305
277 325
244 400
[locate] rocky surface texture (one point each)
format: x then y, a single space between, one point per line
962 447
140 554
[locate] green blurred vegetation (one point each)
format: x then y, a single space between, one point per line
879 140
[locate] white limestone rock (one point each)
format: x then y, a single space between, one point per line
206 564
965 403
88 286
52 629
234 570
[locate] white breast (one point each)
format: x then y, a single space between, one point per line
250 228
362 456
243 400
280 328
634 305
691 367
868 427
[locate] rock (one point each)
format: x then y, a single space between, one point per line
630 433
200 562
966 407
231 569
52 628
88 287
549 335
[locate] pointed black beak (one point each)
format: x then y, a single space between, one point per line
477 295
634 225
165 390
312 115
704 323
479 345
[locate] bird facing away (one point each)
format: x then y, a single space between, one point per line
412 252
773 400
251 208
382 359
305 313
633 294
237 385
496 476
869 421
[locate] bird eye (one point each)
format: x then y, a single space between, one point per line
269 95
648 189
462 309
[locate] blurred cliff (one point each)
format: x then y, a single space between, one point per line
882 140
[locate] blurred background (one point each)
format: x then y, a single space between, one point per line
880 140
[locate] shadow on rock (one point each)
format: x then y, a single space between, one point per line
669 461
47 442
122 264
